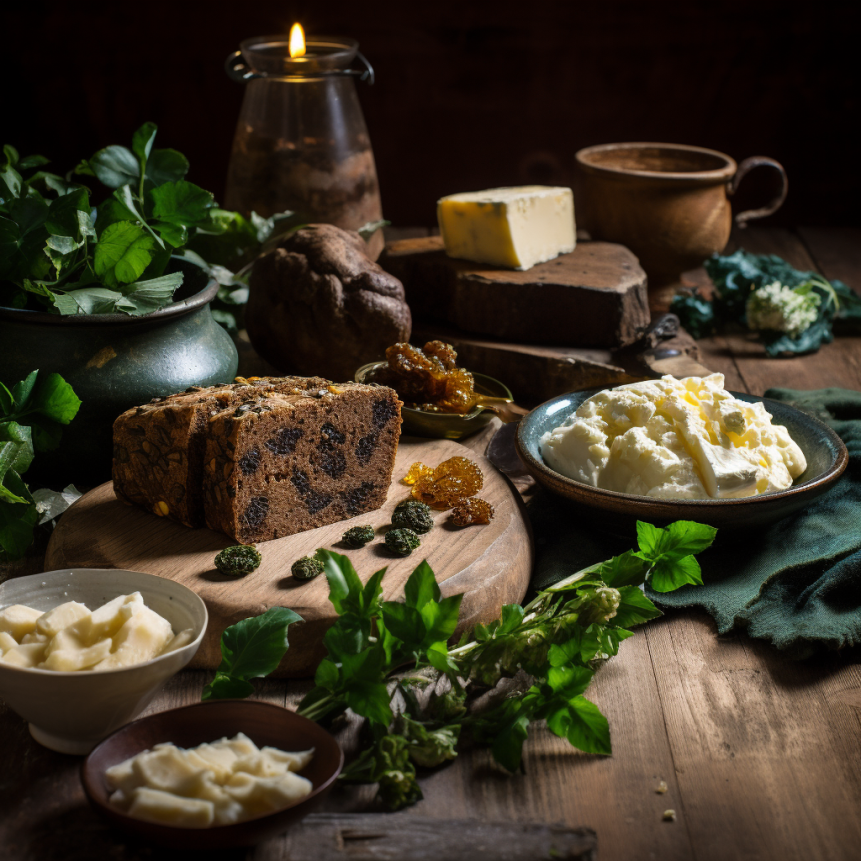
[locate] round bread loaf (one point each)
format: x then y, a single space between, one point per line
318 304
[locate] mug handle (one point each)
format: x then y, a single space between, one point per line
742 218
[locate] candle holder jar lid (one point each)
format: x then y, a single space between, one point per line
269 57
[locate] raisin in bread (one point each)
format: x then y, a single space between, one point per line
283 463
159 447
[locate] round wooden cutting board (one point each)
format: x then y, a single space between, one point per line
489 564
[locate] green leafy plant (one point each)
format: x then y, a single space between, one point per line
390 662
32 415
736 277
250 649
75 257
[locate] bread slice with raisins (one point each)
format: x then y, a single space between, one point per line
159 447
283 463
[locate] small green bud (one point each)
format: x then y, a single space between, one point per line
358 536
402 542
306 568
237 561
412 514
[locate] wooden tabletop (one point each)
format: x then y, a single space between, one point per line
760 754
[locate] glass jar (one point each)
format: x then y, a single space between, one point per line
301 143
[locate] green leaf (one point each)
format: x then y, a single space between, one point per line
16 527
405 623
181 203
507 747
253 648
112 211
650 539
224 686
10 183
32 161
421 587
88 300
627 569
587 729
16 448
10 156
55 399
671 574
115 166
344 583
144 297
29 213
123 252
512 616
174 234
62 217
569 681
440 619
327 675
7 401
142 141
46 433
634 608
682 538
166 165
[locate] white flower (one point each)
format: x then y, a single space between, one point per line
779 308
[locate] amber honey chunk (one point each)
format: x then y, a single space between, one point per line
472 511
428 378
415 472
450 483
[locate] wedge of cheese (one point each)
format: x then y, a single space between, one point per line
513 228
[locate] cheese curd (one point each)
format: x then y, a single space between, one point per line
70 637
674 439
218 783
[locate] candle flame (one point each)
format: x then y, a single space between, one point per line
297 41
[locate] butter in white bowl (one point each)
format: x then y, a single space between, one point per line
218 783
674 439
513 228
70 638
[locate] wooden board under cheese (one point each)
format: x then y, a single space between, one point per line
593 297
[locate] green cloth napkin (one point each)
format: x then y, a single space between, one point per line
796 584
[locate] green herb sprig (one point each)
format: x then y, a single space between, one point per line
390 662
32 415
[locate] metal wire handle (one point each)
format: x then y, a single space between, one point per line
238 70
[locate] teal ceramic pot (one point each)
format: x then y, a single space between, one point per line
114 362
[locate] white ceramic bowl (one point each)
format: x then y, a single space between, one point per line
72 712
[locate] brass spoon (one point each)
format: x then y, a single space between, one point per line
505 408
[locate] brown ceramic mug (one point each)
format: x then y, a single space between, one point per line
668 203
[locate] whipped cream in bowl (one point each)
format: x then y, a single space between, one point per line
687 449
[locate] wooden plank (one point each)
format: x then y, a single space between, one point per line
490 564
533 372
593 297
367 837
765 767
836 252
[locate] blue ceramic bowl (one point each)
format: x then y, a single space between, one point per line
825 452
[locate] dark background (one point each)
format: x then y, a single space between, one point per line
469 95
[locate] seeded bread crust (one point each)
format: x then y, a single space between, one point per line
159 447
284 463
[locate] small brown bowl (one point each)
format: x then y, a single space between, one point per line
825 452
263 723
